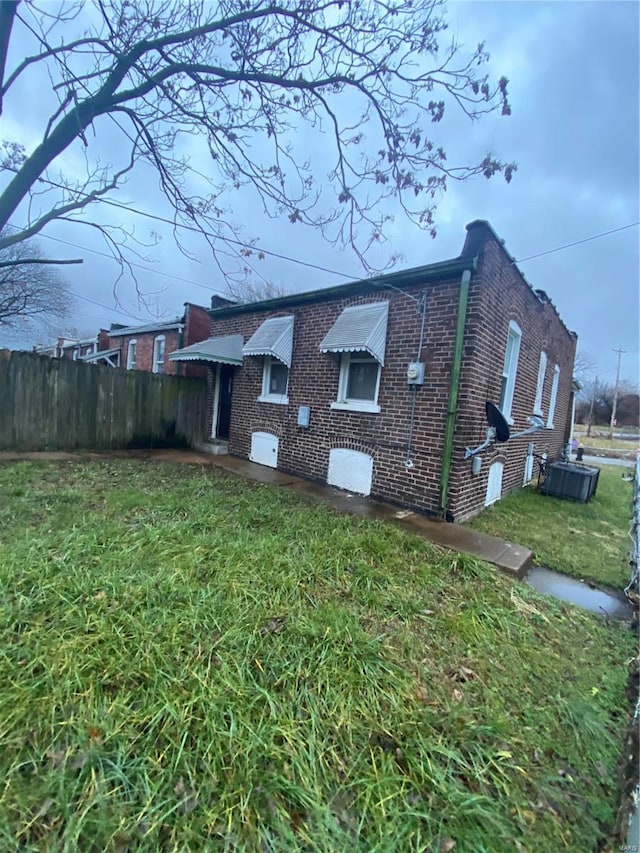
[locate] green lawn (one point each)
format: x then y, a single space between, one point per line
192 662
588 541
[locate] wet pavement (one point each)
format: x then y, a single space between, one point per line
611 603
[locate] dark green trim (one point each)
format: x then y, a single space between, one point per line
415 277
447 453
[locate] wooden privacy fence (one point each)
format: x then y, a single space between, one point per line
58 404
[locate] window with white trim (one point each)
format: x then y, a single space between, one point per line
275 381
554 395
510 369
542 369
131 354
158 355
359 383
75 354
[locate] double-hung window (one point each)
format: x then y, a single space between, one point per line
542 369
510 370
158 354
359 337
131 355
273 340
359 382
554 395
275 381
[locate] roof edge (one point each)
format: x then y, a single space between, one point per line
474 245
413 277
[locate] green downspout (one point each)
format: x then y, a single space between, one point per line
447 453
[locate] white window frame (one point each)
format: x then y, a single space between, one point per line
75 354
510 369
554 396
266 397
131 362
352 404
542 370
160 339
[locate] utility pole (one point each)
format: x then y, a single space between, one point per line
615 394
594 390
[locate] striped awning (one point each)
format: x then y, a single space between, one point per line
361 328
274 337
226 349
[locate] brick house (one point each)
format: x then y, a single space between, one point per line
79 350
378 386
148 347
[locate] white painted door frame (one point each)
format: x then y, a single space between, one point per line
216 402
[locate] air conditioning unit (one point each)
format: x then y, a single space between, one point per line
570 481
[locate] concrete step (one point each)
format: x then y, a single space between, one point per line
216 447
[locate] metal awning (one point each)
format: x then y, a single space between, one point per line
226 349
274 337
361 328
107 355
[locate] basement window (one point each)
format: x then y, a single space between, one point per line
510 369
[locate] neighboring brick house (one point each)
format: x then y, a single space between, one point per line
53 350
79 350
378 386
148 347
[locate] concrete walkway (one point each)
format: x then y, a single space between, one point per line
510 558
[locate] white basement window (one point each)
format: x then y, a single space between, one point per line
554 395
158 354
542 369
510 369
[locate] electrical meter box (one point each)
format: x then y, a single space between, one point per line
415 373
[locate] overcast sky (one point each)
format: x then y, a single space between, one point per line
574 89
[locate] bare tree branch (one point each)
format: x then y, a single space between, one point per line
24 261
30 291
365 78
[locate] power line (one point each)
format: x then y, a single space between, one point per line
577 242
132 263
231 240
198 230
100 305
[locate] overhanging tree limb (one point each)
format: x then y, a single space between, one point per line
246 81
23 261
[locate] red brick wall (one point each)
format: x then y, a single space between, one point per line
499 294
196 328
144 349
313 381
104 342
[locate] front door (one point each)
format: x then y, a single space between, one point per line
225 388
